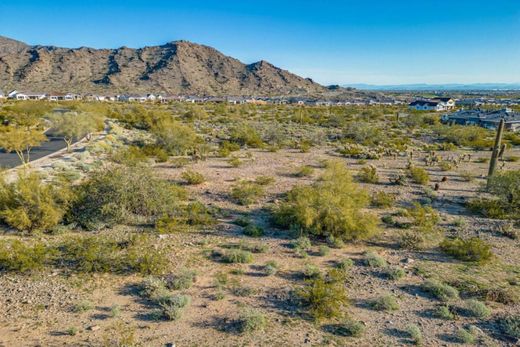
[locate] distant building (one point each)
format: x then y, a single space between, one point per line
486 119
18 95
435 104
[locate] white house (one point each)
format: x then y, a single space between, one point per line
15 94
436 104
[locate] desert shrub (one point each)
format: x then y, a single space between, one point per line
246 192
383 200
506 187
477 309
345 264
237 256
120 194
512 158
304 171
415 334
467 176
17 256
235 162
335 242
227 147
368 174
466 336
325 297
131 155
374 260
301 246
136 254
271 268
394 273
264 180
473 249
175 138
333 206
172 307
311 271
467 136
349 327
184 279
423 230
440 291
445 166
193 177
491 208
245 135
242 221
251 320
418 175
28 204
82 306
154 288
510 326
323 250
253 231
385 303
196 214
444 312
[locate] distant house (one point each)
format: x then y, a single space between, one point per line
436 104
483 118
18 95
133 98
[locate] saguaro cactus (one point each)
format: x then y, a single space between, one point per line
496 149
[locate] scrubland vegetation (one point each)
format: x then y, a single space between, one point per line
256 225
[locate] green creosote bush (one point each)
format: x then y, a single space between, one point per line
374 260
477 309
235 162
253 231
335 242
251 320
345 264
311 271
423 230
226 148
418 175
325 296
22 257
271 268
28 204
323 250
247 192
350 327
415 334
439 290
304 171
394 273
264 180
237 256
301 246
368 174
383 200
82 306
245 135
193 177
385 303
467 336
120 194
183 280
471 250
172 307
333 206
444 312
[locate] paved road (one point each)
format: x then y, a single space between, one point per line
10 160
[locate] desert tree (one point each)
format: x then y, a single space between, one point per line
73 126
21 140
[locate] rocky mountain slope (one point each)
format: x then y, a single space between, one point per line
178 67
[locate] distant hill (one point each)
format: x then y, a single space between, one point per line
178 67
438 87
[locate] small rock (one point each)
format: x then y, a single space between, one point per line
94 328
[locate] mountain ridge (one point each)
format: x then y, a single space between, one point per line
176 67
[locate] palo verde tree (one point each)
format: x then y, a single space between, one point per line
73 126
21 140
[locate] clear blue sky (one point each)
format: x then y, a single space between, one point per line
361 41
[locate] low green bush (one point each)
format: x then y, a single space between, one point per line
383 200
253 231
350 327
172 307
374 260
440 291
237 256
477 309
325 297
183 280
444 312
472 250
394 273
415 334
510 326
18 256
29 204
466 336
418 175
368 174
193 177
304 171
251 320
385 303
247 192
333 206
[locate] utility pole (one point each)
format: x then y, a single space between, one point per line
496 150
